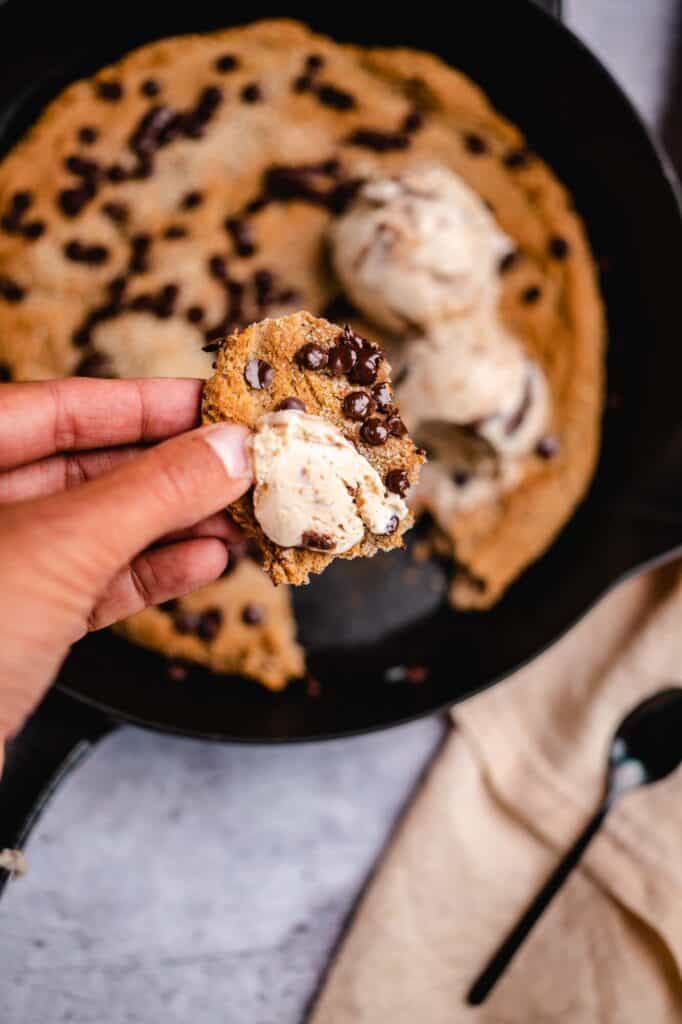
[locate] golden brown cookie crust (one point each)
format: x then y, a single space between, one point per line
563 326
256 637
228 396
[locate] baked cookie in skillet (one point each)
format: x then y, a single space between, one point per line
333 462
193 188
239 625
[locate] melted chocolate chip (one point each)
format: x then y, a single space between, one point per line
412 122
303 83
9 223
548 446
33 230
87 135
380 141
374 432
186 621
381 393
558 247
367 366
317 541
461 477
150 87
292 403
10 291
209 623
212 346
207 104
217 266
89 170
5 373
314 62
95 365
530 295
174 231
258 374
252 93
242 235
72 200
338 308
149 132
311 357
263 283
118 212
508 261
341 359
191 200
398 482
195 314
516 159
164 306
339 99
396 427
358 405
94 255
109 90
227 62
343 194
252 615
116 174
21 201
139 259
474 144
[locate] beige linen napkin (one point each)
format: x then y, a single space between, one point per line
515 782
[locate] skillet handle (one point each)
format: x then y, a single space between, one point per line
53 741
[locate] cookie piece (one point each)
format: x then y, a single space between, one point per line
332 458
239 625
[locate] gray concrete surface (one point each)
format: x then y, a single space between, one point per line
176 881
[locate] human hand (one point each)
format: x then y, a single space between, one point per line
94 527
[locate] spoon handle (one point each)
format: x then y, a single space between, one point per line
499 961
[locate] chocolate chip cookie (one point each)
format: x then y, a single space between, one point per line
332 458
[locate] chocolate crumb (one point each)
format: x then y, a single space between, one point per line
217 266
314 61
242 235
186 621
379 141
258 374
10 291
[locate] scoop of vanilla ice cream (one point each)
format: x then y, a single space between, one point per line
417 248
313 488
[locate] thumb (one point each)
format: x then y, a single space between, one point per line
105 523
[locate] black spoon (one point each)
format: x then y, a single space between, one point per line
646 747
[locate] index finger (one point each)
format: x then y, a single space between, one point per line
42 418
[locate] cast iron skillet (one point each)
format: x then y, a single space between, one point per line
361 618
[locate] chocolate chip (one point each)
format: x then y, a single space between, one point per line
150 87
164 306
116 174
330 96
311 357
474 144
317 541
516 159
366 368
149 133
95 365
87 135
258 374
176 671
252 614
303 83
168 606
139 260
381 393
396 427
142 303
195 314
314 61
10 223
174 231
209 624
341 359
380 141
412 122
398 482
338 308
212 346
287 296
72 200
548 446
252 93
10 291
358 405
5 373
191 200
109 90
256 205
263 282
461 477
21 201
33 230
391 526
209 100
217 266
343 194
508 261
292 403
186 621
558 247
374 432
227 62
530 295
118 212
242 236
89 170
